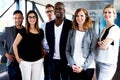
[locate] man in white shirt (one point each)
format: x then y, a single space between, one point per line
56 36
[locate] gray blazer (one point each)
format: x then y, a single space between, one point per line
7 37
88 47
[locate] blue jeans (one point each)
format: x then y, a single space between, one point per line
14 71
105 71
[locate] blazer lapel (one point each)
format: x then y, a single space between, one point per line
13 34
73 38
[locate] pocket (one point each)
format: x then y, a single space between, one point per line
21 62
42 59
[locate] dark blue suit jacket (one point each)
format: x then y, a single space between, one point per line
50 37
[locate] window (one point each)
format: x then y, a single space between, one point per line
6 19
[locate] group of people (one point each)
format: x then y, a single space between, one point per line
68 50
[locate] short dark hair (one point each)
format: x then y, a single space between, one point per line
60 3
17 11
49 5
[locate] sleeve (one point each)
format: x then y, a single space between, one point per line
113 33
69 50
3 36
92 49
42 34
22 32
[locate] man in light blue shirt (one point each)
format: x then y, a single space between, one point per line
50 14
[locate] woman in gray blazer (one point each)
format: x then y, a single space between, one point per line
80 48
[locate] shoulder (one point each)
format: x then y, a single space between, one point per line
51 22
41 33
41 30
92 32
43 25
116 27
10 27
49 25
22 31
91 29
114 30
71 31
67 21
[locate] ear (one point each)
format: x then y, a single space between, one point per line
115 16
64 10
22 18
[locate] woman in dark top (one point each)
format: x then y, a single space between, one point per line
28 48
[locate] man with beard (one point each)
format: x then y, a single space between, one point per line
56 35
6 48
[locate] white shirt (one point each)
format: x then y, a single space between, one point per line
110 55
57 30
78 55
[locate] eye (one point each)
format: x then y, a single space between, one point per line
77 15
82 15
105 12
109 12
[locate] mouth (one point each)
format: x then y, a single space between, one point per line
57 13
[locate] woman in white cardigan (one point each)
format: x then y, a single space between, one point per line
108 44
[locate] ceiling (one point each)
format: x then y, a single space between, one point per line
95 6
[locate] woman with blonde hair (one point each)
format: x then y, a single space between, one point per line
80 48
108 44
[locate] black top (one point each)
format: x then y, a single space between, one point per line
17 30
106 33
29 48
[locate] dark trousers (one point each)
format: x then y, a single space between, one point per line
58 70
84 75
46 68
14 71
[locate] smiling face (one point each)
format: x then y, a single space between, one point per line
18 19
59 10
108 14
80 18
32 19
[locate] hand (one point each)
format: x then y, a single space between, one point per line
77 69
45 53
99 43
10 57
18 60
102 45
74 67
